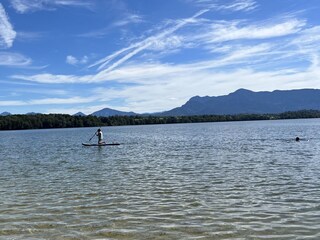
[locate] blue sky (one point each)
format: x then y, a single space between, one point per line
66 56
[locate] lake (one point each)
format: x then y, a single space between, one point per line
232 180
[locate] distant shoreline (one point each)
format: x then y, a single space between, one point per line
47 121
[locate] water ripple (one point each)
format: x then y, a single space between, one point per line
185 181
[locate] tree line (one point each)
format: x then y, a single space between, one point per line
40 121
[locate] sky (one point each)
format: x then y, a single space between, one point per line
145 56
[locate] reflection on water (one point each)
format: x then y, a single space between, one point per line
239 180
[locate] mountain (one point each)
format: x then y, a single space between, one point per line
241 101
81 114
32 113
246 101
106 112
5 114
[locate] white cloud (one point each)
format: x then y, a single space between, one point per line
128 19
71 60
233 6
29 36
24 6
227 31
153 72
19 91
77 3
309 38
14 60
100 33
7 34
74 61
125 20
204 35
48 101
12 103
71 100
51 78
136 48
240 5
171 42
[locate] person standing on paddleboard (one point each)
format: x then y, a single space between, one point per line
100 136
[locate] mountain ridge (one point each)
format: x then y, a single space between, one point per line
241 101
244 101
107 112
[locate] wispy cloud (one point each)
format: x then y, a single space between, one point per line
54 79
39 90
225 31
111 69
7 33
308 38
29 36
125 19
209 33
14 60
99 33
152 73
128 19
48 101
24 6
240 5
233 6
12 103
71 100
136 48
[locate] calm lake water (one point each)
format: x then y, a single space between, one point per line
236 180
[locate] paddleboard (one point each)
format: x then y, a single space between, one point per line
98 145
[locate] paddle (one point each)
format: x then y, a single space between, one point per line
92 136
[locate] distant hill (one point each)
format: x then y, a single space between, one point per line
5 114
246 101
241 101
81 114
32 113
107 112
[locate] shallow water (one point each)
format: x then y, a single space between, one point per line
236 180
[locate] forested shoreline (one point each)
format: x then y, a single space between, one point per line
46 121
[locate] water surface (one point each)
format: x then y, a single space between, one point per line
236 180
